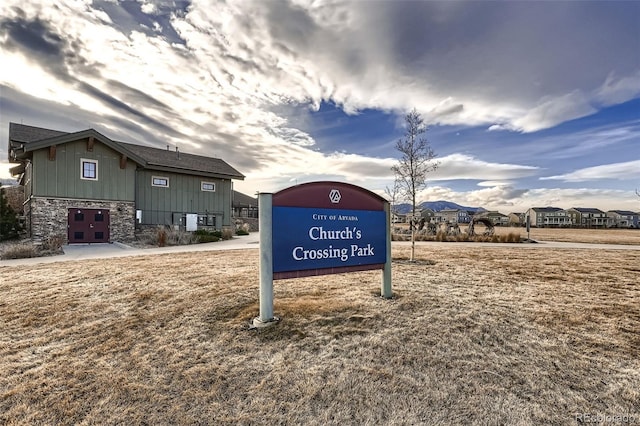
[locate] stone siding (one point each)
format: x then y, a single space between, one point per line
49 216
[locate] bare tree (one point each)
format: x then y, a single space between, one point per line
393 194
417 159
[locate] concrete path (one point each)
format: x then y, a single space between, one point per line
104 251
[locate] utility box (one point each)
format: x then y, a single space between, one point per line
192 222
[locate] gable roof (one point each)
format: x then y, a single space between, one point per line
623 212
545 209
24 133
243 200
586 210
24 139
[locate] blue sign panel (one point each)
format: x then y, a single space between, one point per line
316 238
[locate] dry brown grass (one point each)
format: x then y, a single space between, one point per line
477 336
508 234
576 235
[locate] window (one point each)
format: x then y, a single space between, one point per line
208 186
160 181
206 220
89 169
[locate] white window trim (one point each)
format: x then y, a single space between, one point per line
203 183
88 160
153 178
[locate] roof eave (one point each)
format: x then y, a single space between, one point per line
72 137
188 171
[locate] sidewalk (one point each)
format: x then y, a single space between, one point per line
104 251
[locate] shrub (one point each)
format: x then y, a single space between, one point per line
179 238
227 234
52 245
161 236
462 237
242 232
19 251
441 236
9 224
206 236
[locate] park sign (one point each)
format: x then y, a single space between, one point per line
321 228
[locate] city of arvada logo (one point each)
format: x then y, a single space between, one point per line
335 196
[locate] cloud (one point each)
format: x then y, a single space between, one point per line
618 89
551 112
219 79
462 166
626 170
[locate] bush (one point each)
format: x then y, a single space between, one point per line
52 245
180 238
227 234
161 236
510 238
242 232
19 251
9 224
205 236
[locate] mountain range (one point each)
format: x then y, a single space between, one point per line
436 206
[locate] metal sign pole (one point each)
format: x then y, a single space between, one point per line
266 261
386 291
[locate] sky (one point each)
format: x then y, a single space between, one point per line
528 103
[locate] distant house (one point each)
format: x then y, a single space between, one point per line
452 216
517 219
427 214
497 218
588 217
623 219
90 188
553 217
398 218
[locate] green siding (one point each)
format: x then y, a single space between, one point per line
183 195
61 177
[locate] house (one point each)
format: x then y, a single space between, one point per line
453 216
497 218
90 188
398 218
623 219
541 217
588 217
517 219
427 214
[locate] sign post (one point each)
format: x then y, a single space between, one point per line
321 228
266 260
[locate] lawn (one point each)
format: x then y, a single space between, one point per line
473 335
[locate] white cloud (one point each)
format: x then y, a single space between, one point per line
626 170
217 92
462 166
491 183
618 89
551 112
